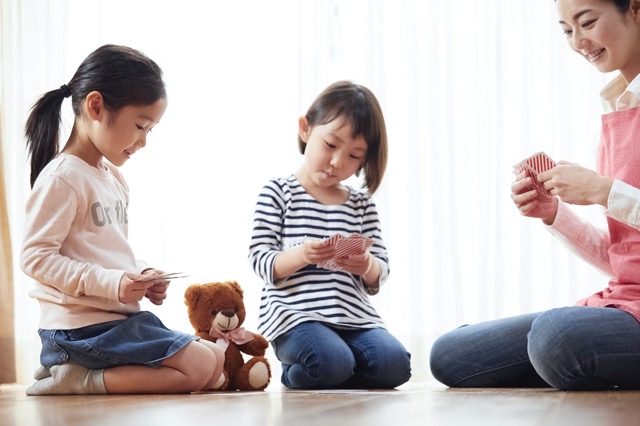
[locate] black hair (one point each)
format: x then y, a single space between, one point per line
621 5
123 76
359 106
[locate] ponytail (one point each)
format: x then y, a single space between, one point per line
123 76
42 130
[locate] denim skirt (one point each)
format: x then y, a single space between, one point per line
140 339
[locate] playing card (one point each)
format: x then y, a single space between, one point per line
345 247
537 163
354 244
333 239
163 277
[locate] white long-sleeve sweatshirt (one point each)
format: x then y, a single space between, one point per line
75 243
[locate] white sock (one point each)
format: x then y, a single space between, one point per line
70 379
42 372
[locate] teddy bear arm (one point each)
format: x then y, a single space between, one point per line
256 347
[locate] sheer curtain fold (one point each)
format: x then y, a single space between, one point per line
467 88
7 302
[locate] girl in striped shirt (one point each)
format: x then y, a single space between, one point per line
320 321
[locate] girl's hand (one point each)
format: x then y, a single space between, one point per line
528 204
314 252
357 264
575 184
310 252
130 290
158 291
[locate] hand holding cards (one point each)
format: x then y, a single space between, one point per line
537 163
345 247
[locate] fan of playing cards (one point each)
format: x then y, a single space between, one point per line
345 247
164 277
537 163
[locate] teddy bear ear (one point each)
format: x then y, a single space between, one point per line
191 294
236 287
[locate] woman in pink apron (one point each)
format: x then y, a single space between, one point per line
595 344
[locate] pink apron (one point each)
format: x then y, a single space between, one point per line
619 158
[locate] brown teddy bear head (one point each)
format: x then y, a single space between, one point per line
217 305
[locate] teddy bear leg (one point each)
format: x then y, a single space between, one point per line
222 383
255 374
259 375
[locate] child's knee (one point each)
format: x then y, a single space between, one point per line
389 367
318 372
200 364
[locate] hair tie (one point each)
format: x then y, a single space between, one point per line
66 92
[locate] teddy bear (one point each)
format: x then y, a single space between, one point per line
216 311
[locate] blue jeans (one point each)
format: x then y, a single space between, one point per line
316 356
572 348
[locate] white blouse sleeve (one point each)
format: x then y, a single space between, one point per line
624 204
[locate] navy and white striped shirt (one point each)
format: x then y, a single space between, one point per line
285 215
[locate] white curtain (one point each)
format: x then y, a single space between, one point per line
468 88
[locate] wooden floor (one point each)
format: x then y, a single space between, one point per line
411 404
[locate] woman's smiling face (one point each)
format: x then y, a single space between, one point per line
603 35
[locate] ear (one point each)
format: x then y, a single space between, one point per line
303 129
94 105
191 294
234 285
635 7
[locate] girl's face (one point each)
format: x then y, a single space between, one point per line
331 154
604 36
124 132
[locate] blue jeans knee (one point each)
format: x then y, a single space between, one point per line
586 348
313 357
317 356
